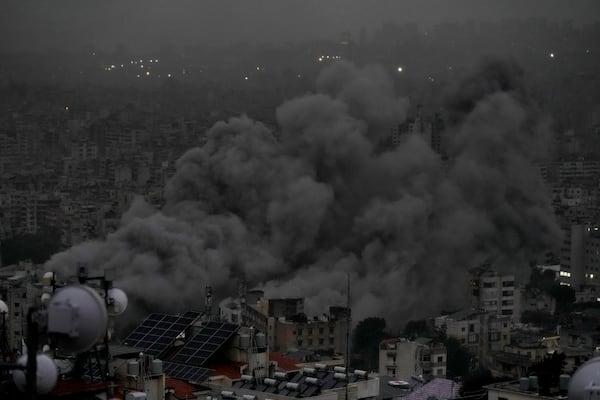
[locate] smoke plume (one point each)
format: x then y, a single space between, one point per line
297 210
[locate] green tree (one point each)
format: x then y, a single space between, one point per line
548 371
365 342
474 381
418 328
564 295
458 359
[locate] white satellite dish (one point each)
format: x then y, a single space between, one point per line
584 380
3 308
46 376
117 301
77 318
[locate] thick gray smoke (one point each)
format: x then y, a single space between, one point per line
296 210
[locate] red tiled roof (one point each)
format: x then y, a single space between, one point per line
183 390
68 387
229 369
283 362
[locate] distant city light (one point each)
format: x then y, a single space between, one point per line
156 60
299 76
142 66
121 65
400 69
551 55
67 108
258 68
320 59
147 73
112 66
587 51
138 75
246 78
168 75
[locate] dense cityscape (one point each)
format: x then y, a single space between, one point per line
403 211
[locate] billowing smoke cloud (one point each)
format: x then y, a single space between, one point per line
297 210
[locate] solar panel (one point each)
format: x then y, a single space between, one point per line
202 346
186 372
157 332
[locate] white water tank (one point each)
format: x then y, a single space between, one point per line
135 396
244 341
261 340
133 368
157 367
339 376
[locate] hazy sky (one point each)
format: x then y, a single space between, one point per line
137 24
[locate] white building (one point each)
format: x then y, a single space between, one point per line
403 358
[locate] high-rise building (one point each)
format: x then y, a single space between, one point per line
494 293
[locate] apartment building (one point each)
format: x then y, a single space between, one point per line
403 358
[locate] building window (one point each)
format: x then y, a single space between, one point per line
310 331
488 285
300 332
310 342
331 329
471 327
462 329
321 331
440 359
473 338
299 342
321 341
330 340
426 357
439 371
508 284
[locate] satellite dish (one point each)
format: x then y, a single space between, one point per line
47 278
3 308
117 301
45 298
586 378
46 376
77 318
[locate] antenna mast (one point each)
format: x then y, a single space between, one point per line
347 330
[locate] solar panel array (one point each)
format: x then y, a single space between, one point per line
158 332
202 346
186 372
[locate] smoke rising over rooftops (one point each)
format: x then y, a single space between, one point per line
296 210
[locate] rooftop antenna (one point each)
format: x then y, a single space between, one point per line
242 299
208 302
347 329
